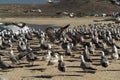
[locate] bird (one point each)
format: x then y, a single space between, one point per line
53 58
114 54
14 38
104 61
11 53
91 48
4 65
31 58
86 55
21 46
43 45
86 66
23 54
13 58
47 56
28 35
61 64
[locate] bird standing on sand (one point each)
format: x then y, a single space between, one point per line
53 58
104 61
12 57
86 55
114 54
4 65
86 66
31 58
61 64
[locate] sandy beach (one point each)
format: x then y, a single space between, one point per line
40 70
55 21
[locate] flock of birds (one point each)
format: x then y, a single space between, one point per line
84 38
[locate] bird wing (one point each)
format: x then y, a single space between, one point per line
60 31
21 55
50 33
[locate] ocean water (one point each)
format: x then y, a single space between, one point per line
23 1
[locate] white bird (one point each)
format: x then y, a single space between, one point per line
11 53
114 54
53 59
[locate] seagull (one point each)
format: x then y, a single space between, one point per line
21 46
28 36
104 61
91 48
12 57
114 54
4 65
31 58
47 56
86 66
53 59
11 53
61 64
87 55
43 45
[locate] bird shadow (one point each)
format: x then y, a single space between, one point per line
87 71
95 59
6 70
95 55
38 69
73 66
110 70
96 64
35 48
38 53
69 75
31 65
43 76
19 66
71 60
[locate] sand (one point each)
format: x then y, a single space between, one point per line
40 70
55 21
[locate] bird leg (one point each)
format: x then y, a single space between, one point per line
32 63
